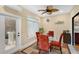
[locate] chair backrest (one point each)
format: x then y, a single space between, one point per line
61 37
43 43
51 33
37 35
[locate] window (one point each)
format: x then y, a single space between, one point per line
33 27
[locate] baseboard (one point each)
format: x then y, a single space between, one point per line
72 49
27 44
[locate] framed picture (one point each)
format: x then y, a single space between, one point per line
59 22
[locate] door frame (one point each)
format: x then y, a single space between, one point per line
18 24
73 35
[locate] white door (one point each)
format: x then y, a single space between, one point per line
11 30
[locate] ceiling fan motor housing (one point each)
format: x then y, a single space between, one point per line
49 10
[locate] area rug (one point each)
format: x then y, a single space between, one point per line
34 50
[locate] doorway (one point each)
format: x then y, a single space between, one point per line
75 31
10 33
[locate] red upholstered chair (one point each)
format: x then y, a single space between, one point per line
51 33
37 35
43 43
58 43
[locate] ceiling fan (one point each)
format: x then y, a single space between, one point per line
49 10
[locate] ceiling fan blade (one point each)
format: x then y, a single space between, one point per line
54 10
41 10
44 12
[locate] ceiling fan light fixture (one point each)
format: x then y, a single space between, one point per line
49 10
49 13
47 20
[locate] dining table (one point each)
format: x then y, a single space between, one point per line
49 37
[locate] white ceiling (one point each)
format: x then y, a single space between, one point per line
35 8
14 7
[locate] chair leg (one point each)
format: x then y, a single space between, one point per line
61 50
39 51
50 49
37 45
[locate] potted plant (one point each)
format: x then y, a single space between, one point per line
41 30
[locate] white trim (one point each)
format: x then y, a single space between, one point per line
9 14
30 18
19 30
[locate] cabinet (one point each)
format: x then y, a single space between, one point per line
76 38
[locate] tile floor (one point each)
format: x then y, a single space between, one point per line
33 50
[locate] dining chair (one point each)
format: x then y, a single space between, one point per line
37 35
50 33
58 43
43 43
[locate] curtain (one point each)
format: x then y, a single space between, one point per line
33 27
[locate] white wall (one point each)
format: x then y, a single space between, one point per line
67 18
57 28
